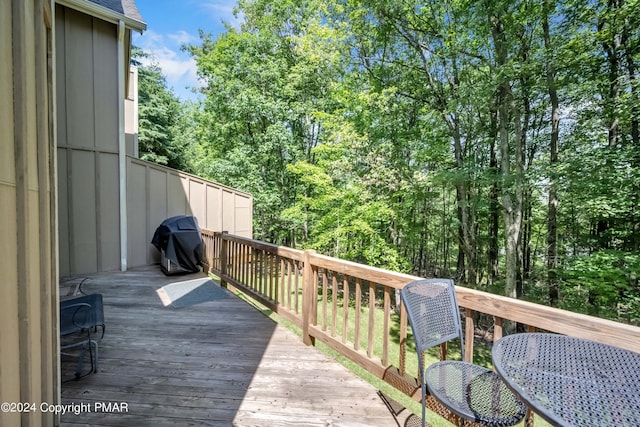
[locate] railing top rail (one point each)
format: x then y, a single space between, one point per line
282 251
377 275
551 319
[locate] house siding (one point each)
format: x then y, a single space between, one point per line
89 169
89 203
28 293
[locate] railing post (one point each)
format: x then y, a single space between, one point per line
223 258
470 333
308 298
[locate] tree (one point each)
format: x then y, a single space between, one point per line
159 118
438 138
265 85
552 213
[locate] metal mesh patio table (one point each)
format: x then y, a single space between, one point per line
571 381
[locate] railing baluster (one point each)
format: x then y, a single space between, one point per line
229 268
497 328
249 263
356 338
234 260
334 303
444 350
245 262
263 273
268 258
469 331
223 260
309 287
241 262
372 306
254 266
386 326
280 281
345 308
230 258
237 274
297 285
403 340
273 275
293 286
255 261
314 305
289 263
324 299
258 271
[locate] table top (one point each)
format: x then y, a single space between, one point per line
571 381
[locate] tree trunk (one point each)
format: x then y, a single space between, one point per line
511 181
466 234
523 189
627 34
552 205
612 49
494 208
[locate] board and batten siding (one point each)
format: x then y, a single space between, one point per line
29 357
89 169
87 137
155 192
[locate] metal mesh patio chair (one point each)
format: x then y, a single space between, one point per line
470 391
80 318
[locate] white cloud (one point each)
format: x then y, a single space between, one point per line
178 67
222 11
182 37
164 49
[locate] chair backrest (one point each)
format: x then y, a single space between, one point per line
81 312
433 313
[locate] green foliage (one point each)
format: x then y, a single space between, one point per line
163 127
604 284
416 137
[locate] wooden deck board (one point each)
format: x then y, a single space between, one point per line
216 363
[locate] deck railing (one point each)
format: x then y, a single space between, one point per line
353 308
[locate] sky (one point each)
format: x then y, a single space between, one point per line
173 23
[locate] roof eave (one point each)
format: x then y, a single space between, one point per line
103 13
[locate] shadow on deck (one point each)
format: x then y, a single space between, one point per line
219 362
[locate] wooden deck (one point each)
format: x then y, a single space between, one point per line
217 363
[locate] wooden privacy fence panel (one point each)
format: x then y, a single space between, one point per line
156 192
354 308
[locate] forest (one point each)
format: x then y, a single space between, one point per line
494 142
